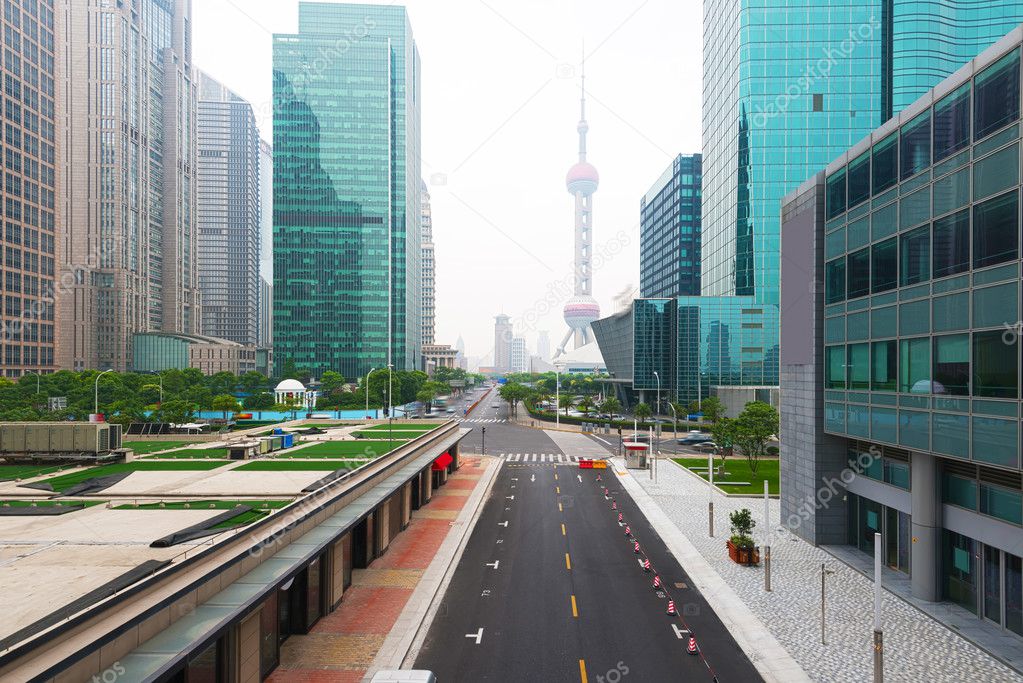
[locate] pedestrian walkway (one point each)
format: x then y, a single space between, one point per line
917 648
342 646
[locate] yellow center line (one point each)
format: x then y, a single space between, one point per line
575 610
560 509
557 489
562 529
555 476
582 670
568 562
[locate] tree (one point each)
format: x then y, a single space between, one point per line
713 409
723 432
251 382
643 411
176 411
742 528
426 396
226 403
611 406
566 401
331 384
264 400
513 392
289 405
585 405
754 428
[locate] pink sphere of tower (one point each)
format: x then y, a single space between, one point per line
581 312
582 178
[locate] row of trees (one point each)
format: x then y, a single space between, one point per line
752 432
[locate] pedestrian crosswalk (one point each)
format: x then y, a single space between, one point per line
538 457
480 420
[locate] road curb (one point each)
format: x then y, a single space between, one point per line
402 644
769 658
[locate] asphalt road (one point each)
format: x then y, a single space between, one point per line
550 589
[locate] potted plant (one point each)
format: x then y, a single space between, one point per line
740 546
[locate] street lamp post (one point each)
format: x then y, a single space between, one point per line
484 446
657 405
390 403
557 398
824 572
878 633
366 389
96 392
674 426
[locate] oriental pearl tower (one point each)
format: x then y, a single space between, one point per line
582 180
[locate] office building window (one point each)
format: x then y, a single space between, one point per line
915 145
951 244
995 364
915 256
858 274
885 257
885 163
996 96
834 367
960 569
884 366
952 365
859 180
915 366
836 194
858 360
952 123
834 285
996 230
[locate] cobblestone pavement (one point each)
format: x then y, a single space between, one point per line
916 647
343 644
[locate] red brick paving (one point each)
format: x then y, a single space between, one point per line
368 611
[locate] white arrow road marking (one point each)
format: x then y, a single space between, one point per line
494 563
478 636
514 478
504 524
679 632
532 477
580 478
640 561
511 497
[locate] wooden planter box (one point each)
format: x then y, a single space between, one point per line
745 556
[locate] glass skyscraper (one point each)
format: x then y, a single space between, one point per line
346 190
926 40
670 231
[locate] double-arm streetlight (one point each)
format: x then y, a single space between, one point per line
367 390
657 406
96 392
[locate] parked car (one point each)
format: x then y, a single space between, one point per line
707 447
695 438
638 438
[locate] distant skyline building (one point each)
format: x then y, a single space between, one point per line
582 182
462 361
229 202
126 176
266 210
266 314
543 345
519 355
502 342
29 241
347 279
669 232
429 267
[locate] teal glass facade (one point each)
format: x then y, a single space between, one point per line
346 190
928 40
654 335
922 278
669 231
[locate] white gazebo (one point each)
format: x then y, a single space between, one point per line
292 389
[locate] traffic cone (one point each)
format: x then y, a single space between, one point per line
691 649
620 518
598 478
635 549
628 531
646 565
671 608
614 505
605 491
657 583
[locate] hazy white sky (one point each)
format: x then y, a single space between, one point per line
500 107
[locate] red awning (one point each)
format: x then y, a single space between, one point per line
442 462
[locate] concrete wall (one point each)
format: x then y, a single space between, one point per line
248 649
812 462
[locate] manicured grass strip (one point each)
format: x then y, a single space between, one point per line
737 469
362 449
205 505
247 517
11 472
66 481
144 447
405 426
315 423
297 466
192 454
49 503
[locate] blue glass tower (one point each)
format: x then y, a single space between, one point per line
670 231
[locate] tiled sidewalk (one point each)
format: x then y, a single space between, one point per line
917 647
342 645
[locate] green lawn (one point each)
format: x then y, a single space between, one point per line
11 472
397 433
144 447
66 481
297 466
192 454
361 449
48 503
405 426
316 423
260 509
737 469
